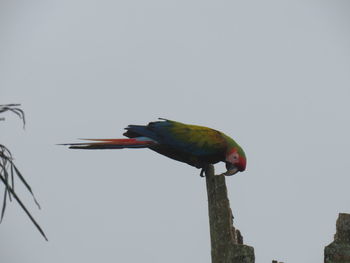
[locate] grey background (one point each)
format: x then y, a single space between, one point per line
272 74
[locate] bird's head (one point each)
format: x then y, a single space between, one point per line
235 160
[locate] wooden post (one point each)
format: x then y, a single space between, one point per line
339 250
226 242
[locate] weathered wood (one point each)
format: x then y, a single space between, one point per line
226 242
339 250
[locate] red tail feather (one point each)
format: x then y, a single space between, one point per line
138 142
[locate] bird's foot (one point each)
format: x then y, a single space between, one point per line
202 174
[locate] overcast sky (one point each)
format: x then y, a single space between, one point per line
272 74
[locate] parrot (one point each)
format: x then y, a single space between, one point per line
195 145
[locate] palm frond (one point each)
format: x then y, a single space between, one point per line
9 171
14 108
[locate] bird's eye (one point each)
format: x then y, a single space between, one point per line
233 158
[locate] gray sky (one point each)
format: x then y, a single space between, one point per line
272 74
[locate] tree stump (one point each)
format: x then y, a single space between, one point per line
226 241
339 250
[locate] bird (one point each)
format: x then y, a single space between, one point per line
195 145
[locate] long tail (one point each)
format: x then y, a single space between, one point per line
137 142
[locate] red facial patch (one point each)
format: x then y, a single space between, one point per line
234 158
241 165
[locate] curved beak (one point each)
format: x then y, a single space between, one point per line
231 169
231 172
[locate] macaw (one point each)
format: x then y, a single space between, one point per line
195 145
